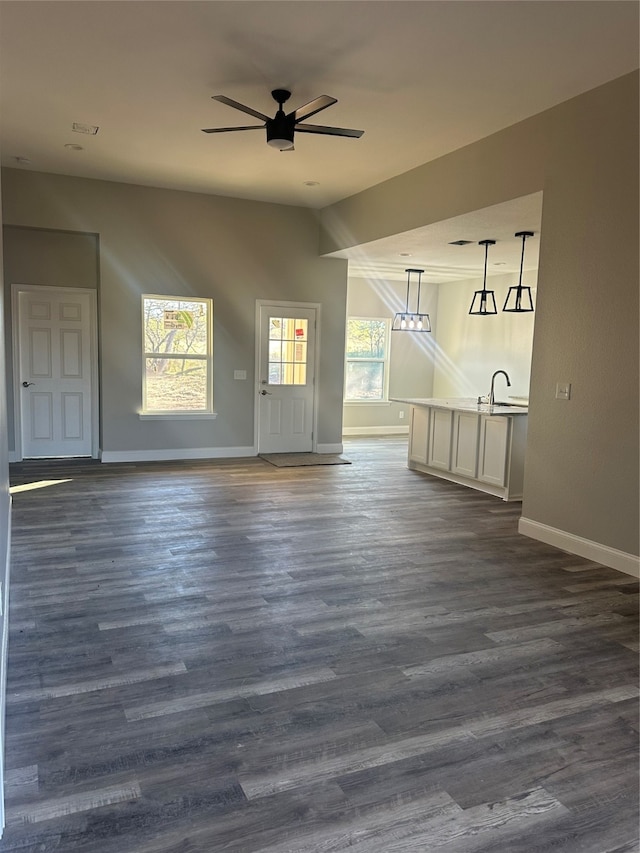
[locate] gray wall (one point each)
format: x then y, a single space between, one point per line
177 243
582 455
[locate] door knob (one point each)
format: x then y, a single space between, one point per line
26 384
263 392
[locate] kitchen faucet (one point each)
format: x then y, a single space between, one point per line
493 379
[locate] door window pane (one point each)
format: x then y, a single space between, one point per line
287 351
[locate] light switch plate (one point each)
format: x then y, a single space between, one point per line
239 374
563 391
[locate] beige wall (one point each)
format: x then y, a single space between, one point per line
411 357
178 243
470 348
582 455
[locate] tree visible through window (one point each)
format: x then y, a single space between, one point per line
177 355
367 355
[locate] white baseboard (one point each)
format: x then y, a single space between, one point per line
611 557
329 448
167 455
376 430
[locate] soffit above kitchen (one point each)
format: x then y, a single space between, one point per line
420 78
436 248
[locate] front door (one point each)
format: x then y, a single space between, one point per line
286 378
55 371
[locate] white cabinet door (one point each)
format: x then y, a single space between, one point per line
494 445
440 439
464 452
419 434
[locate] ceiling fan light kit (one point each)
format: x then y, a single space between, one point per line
282 127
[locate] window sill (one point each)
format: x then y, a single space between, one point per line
367 402
177 416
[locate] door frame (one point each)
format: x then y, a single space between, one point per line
16 290
281 303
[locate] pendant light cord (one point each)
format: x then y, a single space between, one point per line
486 255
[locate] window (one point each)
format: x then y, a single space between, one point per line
178 355
367 359
288 340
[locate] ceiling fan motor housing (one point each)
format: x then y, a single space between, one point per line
281 127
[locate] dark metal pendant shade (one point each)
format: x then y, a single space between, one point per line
411 321
484 301
519 299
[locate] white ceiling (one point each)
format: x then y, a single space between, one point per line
421 78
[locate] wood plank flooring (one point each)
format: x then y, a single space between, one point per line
228 657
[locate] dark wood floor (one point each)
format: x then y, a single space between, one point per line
228 657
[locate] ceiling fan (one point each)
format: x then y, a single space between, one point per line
281 128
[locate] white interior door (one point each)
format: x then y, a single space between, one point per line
54 377
286 378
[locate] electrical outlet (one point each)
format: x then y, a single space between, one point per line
401 414
563 391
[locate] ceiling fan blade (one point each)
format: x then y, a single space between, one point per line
331 131
226 129
231 103
313 107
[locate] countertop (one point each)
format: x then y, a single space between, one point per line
464 404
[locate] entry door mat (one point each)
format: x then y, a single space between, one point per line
296 460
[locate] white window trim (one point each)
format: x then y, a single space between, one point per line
180 414
177 416
384 400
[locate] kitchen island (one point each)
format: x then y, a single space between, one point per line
474 444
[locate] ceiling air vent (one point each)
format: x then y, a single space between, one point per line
460 242
79 127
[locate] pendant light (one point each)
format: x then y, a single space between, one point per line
484 301
520 296
411 321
